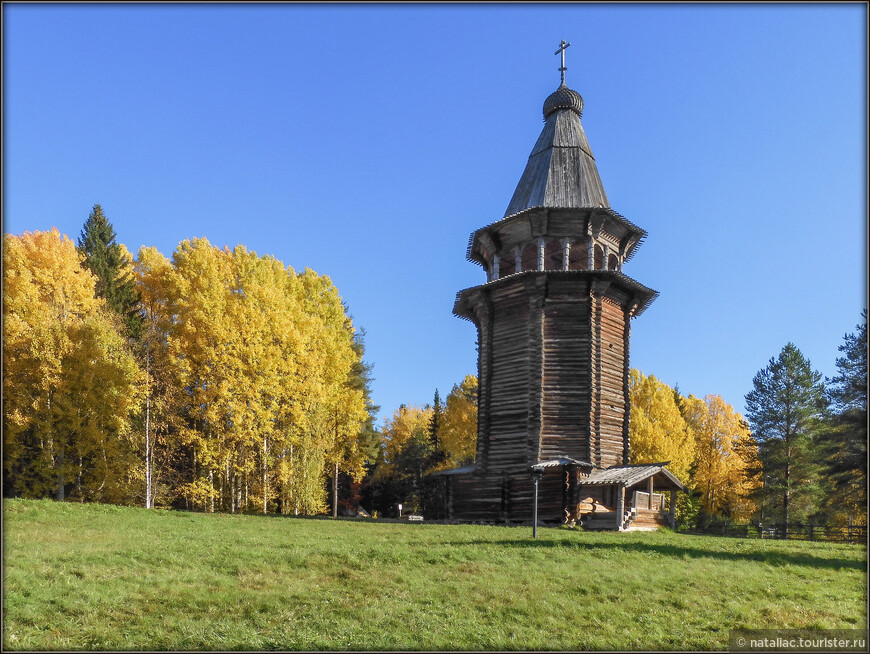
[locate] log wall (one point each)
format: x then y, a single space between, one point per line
509 497
553 365
609 398
509 382
565 377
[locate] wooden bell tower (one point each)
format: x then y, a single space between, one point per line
553 321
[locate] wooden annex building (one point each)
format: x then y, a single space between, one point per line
553 322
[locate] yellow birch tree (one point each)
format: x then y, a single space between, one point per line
657 430
457 432
725 457
70 381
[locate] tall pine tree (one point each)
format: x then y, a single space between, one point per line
845 444
784 409
109 263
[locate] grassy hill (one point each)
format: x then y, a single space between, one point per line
105 577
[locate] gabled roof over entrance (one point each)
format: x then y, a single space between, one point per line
629 475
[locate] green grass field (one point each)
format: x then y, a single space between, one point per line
104 577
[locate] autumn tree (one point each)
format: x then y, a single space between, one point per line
458 425
725 457
70 383
844 441
110 262
406 448
252 367
164 460
785 409
368 440
657 429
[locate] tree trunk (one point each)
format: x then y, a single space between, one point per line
148 431
335 492
265 477
60 479
229 486
786 496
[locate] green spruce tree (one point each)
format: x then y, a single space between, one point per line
105 259
435 424
361 378
785 409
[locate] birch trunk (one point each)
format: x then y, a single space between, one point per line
148 431
265 476
335 492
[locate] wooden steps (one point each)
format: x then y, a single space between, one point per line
645 520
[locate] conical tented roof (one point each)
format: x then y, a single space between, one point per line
561 171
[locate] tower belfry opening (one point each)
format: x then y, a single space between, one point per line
553 321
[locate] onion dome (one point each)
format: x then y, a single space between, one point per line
563 98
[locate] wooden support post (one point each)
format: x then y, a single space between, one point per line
535 511
590 253
650 493
620 506
671 515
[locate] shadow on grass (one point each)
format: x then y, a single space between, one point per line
774 558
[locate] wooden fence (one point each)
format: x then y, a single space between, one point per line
849 534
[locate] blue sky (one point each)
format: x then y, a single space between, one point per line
368 141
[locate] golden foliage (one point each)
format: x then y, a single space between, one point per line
725 457
70 381
262 358
657 429
409 425
458 430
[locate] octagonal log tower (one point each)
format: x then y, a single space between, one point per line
553 322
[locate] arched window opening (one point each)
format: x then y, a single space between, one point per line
613 262
599 257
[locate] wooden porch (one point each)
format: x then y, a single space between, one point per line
628 498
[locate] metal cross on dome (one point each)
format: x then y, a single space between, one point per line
564 44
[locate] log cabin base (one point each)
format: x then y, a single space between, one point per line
620 498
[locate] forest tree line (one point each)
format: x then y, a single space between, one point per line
214 380
220 380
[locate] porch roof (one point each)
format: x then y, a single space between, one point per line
560 461
628 475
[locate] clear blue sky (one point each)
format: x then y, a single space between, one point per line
368 141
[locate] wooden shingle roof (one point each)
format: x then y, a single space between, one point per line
628 475
560 461
561 171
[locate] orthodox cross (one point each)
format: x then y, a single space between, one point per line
564 44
